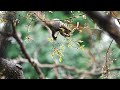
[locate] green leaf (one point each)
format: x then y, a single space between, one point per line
60 59
50 39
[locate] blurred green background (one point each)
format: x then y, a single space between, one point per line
94 41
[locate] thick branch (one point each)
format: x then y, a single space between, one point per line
107 23
10 70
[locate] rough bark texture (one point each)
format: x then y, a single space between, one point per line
107 23
8 69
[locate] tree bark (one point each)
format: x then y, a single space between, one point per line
107 23
8 69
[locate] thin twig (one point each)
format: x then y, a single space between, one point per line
108 50
15 36
56 73
23 60
106 68
66 67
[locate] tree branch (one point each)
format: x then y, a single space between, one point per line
15 36
66 67
107 23
10 70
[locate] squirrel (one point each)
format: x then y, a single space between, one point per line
55 25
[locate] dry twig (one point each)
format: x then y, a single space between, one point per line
15 36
